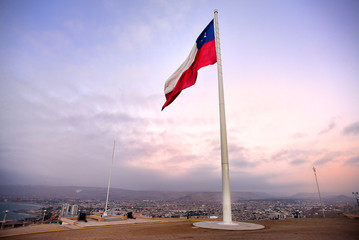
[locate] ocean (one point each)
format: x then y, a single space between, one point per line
11 207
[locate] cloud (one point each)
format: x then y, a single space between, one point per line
352 129
294 156
138 35
330 127
241 157
328 157
299 135
242 163
323 161
74 25
353 161
298 161
300 156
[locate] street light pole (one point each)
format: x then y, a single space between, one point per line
43 218
3 221
356 197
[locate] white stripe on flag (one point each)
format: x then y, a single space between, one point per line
171 82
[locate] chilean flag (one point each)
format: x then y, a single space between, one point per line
202 54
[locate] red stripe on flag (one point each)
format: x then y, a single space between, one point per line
204 57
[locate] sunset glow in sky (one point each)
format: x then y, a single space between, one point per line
77 75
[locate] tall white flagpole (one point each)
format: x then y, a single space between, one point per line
109 180
226 192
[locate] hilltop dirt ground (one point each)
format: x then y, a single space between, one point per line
294 229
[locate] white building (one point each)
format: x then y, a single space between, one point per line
65 209
74 209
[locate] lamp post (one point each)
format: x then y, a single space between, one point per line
3 221
356 197
43 218
6 212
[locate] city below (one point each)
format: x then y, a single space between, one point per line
71 202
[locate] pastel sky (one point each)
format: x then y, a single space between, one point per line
77 75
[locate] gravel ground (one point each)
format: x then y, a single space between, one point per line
294 229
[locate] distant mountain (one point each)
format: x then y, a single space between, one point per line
328 197
98 193
118 194
85 193
304 196
339 198
217 196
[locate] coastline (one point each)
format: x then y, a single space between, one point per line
19 210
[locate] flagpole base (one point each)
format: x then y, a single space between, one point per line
234 226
